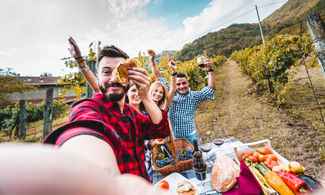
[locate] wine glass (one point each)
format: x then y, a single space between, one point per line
200 61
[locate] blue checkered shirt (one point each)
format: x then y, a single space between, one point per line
182 110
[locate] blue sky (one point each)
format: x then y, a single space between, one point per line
174 12
35 32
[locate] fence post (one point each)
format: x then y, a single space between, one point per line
92 66
316 28
22 113
48 112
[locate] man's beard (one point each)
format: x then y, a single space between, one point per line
115 97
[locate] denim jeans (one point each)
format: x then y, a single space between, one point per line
193 137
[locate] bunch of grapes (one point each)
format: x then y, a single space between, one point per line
162 163
162 160
179 155
184 154
188 154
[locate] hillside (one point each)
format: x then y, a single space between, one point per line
223 42
287 18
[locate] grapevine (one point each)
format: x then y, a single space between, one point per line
268 66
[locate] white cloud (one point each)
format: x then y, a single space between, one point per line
5 53
36 31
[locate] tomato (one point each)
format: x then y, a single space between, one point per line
274 163
261 158
163 185
264 151
159 139
245 154
255 153
272 156
252 158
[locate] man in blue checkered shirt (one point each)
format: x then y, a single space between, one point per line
182 110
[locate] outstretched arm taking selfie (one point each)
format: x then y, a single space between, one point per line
86 72
153 64
34 169
94 150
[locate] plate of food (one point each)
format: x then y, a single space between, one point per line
178 184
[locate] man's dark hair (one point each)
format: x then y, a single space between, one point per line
181 75
111 51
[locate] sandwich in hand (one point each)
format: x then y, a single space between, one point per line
151 52
121 71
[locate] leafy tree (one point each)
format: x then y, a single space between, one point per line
46 74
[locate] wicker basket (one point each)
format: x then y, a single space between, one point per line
174 145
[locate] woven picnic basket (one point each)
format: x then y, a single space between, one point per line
174 145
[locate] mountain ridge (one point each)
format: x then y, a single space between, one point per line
286 19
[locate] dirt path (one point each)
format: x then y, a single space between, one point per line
237 112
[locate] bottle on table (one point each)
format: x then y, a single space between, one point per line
199 165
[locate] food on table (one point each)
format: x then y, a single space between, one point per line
256 154
264 151
272 157
261 157
121 71
245 154
267 189
186 188
165 150
270 162
224 173
252 158
295 183
274 180
311 182
281 167
296 167
163 185
162 160
184 154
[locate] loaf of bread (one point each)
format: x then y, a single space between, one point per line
224 173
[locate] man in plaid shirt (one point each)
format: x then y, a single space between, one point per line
182 110
104 129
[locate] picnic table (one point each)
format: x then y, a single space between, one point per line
226 148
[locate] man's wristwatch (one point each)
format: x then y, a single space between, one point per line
174 74
83 68
210 70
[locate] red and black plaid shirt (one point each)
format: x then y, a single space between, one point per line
125 132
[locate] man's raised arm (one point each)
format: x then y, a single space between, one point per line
84 69
212 80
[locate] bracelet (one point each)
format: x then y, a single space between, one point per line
210 70
174 74
78 57
83 68
80 61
